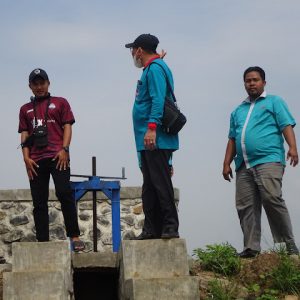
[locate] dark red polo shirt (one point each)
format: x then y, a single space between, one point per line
59 114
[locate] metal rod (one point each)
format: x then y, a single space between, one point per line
94 207
103 177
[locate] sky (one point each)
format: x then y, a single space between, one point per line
209 44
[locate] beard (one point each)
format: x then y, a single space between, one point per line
137 62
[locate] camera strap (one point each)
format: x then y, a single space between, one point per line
47 108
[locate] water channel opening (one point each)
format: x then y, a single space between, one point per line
95 283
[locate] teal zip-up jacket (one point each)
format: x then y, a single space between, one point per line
149 105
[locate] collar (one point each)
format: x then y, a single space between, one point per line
150 61
41 98
263 95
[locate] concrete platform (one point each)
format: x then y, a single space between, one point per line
181 288
41 256
36 285
153 259
5 268
107 260
39 271
156 270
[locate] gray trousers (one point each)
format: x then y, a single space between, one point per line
256 187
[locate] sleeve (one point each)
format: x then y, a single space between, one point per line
157 91
232 132
282 114
67 116
23 125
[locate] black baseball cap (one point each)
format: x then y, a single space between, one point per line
38 73
145 41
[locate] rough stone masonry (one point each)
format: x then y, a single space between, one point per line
16 219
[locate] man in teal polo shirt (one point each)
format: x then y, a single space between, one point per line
256 143
154 146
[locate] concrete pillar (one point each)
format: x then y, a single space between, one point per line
39 271
156 269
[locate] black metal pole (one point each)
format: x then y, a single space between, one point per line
94 207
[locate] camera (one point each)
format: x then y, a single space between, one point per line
40 136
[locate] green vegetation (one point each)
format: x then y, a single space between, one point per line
221 259
267 297
221 291
286 276
269 276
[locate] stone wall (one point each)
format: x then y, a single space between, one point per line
16 219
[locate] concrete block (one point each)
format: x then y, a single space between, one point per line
37 285
181 288
94 260
31 256
5 268
153 259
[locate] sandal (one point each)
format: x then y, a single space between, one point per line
78 246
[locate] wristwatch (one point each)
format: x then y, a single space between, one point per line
67 149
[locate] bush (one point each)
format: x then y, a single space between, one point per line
219 258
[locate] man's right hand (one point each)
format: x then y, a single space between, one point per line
30 167
227 172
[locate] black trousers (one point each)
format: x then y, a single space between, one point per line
158 194
40 193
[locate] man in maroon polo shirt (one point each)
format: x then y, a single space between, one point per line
45 125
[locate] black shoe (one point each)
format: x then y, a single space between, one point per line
248 253
291 248
143 236
170 235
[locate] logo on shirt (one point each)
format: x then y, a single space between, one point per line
37 122
52 106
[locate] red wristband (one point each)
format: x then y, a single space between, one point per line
152 126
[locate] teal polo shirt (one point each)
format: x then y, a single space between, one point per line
148 106
257 127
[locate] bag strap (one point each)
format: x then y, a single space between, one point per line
168 82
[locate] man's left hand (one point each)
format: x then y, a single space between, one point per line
292 156
150 139
63 160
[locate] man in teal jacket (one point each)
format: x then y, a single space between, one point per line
256 143
154 146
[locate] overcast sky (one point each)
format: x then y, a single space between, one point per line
209 43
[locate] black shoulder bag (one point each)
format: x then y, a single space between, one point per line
173 119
